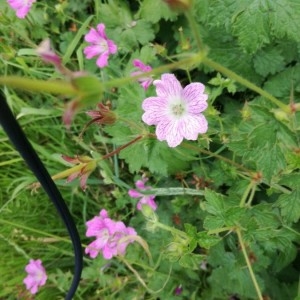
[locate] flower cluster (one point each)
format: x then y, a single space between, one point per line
100 46
21 7
144 199
112 237
36 276
175 111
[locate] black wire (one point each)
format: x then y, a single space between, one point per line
19 140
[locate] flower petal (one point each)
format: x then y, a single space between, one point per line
102 60
92 36
101 30
155 110
170 132
195 98
191 126
168 86
112 47
91 51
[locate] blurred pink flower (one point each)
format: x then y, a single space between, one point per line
45 51
145 82
144 199
21 7
36 276
100 45
112 237
175 111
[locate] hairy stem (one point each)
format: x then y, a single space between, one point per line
208 62
252 275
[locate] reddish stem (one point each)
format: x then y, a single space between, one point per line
122 147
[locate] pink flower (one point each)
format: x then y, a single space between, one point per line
45 51
112 237
145 82
21 7
175 111
100 45
36 275
144 199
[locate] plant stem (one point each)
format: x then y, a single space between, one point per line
194 28
34 85
191 60
171 229
121 148
246 193
252 275
208 62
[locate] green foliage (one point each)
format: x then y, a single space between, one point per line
228 203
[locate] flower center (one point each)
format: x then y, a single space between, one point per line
178 109
103 45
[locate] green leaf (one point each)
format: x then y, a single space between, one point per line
213 222
289 205
75 41
283 18
270 161
155 10
268 61
114 14
143 31
207 241
135 156
191 261
280 84
215 202
251 26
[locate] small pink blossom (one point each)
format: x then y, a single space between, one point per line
45 51
175 111
112 237
145 82
100 45
21 7
144 199
36 276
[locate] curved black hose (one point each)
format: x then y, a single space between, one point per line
19 140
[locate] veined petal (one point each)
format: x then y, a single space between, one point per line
170 132
191 126
168 86
155 110
195 98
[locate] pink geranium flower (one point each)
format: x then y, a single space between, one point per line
144 199
36 276
100 45
175 111
21 7
145 82
112 237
